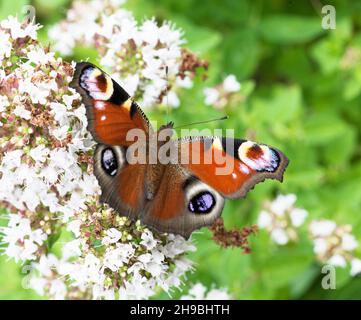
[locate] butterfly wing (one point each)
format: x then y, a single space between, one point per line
122 184
231 166
182 203
111 112
191 193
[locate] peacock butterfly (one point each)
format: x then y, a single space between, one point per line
173 196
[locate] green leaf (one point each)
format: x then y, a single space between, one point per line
288 29
322 128
328 54
342 147
286 264
53 238
283 104
241 53
199 39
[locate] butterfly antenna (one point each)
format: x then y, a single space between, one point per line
200 122
166 91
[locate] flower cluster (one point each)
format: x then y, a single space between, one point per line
47 185
43 139
200 292
334 244
225 93
115 259
24 242
281 219
146 59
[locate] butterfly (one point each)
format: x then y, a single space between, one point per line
176 196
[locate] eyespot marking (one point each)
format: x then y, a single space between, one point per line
258 157
109 162
202 203
98 85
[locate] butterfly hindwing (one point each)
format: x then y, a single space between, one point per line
122 184
111 112
182 203
179 203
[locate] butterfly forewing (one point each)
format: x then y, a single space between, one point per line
111 112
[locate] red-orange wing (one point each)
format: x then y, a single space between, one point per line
122 184
111 112
231 166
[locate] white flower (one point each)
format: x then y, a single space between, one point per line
184 83
279 236
58 290
298 216
218 294
23 242
74 227
320 246
115 258
136 54
88 271
171 99
355 267
230 84
333 244
39 153
149 30
69 99
38 284
4 102
12 159
72 249
337 260
28 250
148 240
349 242
212 96
282 203
113 236
281 218
17 30
65 43
264 219
40 92
39 56
199 292
21 112
46 264
38 236
322 228
5 45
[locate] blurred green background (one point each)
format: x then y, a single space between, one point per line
301 98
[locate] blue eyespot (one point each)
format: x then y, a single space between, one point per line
202 203
109 162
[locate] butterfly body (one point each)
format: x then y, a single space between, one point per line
171 185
